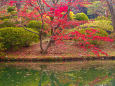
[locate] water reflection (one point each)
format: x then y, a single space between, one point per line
93 73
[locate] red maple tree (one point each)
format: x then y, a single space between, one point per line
56 14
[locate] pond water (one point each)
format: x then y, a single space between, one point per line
81 73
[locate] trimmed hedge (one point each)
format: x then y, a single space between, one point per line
81 16
15 37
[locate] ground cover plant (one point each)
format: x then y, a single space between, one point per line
53 18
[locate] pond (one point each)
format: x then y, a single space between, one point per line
80 73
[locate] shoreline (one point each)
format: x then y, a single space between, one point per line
57 59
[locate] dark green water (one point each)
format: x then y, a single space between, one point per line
88 73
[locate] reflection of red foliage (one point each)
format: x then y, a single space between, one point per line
98 79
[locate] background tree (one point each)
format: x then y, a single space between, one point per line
110 4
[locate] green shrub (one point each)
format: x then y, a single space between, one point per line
4 17
101 33
102 18
71 15
7 23
13 13
35 25
15 37
81 16
102 24
1 44
1 47
10 9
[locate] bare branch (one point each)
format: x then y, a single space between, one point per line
29 30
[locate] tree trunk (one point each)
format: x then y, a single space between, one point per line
48 45
112 11
18 6
40 38
40 35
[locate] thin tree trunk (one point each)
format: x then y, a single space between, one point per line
40 38
18 6
48 45
112 11
40 35
51 41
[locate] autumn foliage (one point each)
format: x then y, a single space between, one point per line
55 15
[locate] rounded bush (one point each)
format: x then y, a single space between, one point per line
15 37
35 25
81 16
10 9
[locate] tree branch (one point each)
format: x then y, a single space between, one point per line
29 30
